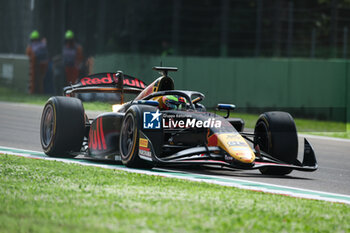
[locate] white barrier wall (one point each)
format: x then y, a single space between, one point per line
14 71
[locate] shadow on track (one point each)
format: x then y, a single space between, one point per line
222 171
207 170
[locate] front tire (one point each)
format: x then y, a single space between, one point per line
129 141
62 127
276 134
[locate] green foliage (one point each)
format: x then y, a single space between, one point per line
48 196
11 95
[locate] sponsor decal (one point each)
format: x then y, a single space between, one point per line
92 81
148 90
228 158
156 84
133 83
108 79
151 120
231 136
144 152
143 142
96 136
145 148
236 143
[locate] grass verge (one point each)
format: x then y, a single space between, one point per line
10 95
315 127
49 196
306 126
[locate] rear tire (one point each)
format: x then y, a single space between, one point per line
62 127
276 134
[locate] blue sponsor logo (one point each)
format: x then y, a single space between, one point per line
151 120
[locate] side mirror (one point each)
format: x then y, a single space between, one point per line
227 107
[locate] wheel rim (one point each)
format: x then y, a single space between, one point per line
127 134
47 126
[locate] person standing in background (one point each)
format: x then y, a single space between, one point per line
38 58
72 58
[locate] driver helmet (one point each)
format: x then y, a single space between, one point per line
171 102
69 35
34 35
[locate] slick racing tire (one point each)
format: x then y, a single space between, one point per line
129 140
62 127
276 134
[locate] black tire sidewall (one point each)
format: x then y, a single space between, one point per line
131 159
48 148
282 139
69 126
135 161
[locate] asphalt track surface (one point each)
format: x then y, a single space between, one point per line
20 123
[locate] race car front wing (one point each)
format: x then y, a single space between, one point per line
204 155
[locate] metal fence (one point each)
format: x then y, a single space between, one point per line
234 28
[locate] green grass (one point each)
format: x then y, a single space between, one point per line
306 126
10 95
48 196
315 127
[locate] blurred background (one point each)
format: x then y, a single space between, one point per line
258 54
234 28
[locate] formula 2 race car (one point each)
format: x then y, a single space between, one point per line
163 126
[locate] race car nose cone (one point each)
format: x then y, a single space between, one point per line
237 147
244 155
